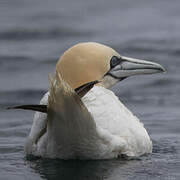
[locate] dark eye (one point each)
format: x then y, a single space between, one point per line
114 61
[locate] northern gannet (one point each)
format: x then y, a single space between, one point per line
79 121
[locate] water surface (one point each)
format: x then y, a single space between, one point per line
33 34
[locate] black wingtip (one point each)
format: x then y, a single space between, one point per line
82 90
13 107
40 108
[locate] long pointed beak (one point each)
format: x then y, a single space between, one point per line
130 66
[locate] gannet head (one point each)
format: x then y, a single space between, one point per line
87 62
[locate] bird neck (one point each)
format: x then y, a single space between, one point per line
108 81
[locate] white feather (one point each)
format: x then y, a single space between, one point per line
114 130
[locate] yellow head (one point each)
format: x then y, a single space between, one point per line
86 62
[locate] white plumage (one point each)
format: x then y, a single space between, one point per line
114 118
121 131
97 126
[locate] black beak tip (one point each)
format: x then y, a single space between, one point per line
162 70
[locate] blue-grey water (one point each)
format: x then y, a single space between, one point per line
34 33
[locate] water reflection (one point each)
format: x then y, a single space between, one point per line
151 166
76 169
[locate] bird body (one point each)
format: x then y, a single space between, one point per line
79 121
114 118
117 131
